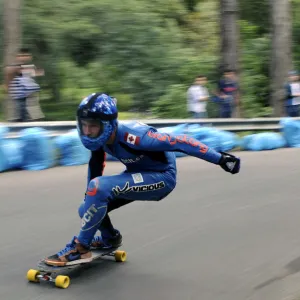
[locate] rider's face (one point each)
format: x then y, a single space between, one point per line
91 129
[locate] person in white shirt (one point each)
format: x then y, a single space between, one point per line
292 101
197 96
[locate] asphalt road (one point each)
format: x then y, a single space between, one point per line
217 236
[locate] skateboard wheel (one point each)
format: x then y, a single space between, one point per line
62 281
120 256
32 275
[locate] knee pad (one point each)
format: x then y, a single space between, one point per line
93 187
99 190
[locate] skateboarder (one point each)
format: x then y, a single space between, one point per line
150 173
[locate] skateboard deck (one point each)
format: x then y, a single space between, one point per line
49 273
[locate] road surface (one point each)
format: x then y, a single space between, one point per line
217 236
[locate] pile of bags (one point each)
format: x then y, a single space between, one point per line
263 141
289 136
34 149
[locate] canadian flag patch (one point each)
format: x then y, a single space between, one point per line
131 138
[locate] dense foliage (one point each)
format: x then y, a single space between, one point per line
145 53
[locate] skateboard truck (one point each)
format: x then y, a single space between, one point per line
60 281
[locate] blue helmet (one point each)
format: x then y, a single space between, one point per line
102 110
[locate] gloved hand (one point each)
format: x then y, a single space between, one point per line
230 163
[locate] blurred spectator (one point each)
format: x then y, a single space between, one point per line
197 96
10 72
30 71
228 97
20 87
293 94
17 95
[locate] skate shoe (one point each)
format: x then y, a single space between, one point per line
99 242
73 253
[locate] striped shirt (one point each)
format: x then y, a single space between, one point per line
21 87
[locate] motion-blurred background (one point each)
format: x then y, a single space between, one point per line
148 54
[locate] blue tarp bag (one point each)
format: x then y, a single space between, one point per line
10 151
71 152
201 133
217 139
291 132
38 150
228 140
11 156
263 141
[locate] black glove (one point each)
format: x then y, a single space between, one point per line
230 163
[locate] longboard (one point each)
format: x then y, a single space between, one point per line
49 273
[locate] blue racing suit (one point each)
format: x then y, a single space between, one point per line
150 171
